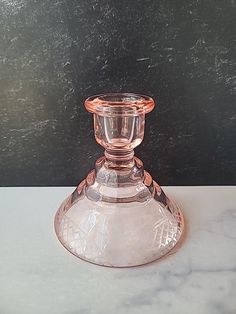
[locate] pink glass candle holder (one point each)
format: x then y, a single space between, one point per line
118 216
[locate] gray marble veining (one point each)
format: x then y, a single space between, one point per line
38 276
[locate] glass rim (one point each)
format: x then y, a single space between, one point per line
119 104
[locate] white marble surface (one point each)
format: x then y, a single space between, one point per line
37 275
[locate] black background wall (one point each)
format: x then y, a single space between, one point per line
55 53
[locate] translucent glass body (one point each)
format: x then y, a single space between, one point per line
118 216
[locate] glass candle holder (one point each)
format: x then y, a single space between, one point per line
118 216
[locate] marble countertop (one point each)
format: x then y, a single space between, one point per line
37 275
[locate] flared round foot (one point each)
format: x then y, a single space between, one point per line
118 235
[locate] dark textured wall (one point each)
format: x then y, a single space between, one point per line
55 53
